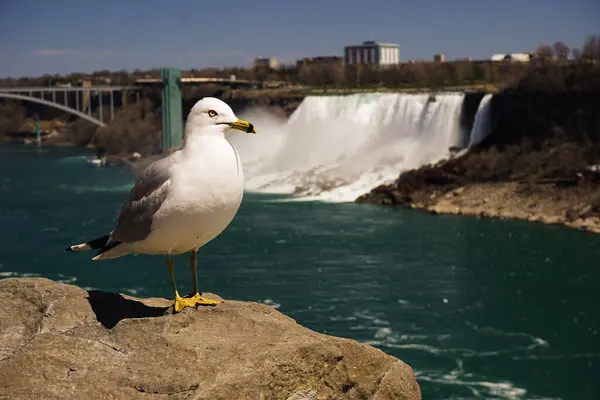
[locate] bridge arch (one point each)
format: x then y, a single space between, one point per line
70 110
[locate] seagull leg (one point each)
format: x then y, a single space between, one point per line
199 300
180 302
193 267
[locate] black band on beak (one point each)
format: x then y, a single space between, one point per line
250 128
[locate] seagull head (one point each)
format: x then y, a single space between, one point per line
213 115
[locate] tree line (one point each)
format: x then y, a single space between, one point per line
336 75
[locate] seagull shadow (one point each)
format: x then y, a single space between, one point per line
110 308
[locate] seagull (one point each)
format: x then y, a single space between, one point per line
183 201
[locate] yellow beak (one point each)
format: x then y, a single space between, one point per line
243 126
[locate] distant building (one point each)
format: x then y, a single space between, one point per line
320 61
265 62
519 57
372 53
439 58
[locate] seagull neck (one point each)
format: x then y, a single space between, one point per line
197 139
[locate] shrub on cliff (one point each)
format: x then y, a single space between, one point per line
80 132
12 116
553 78
135 128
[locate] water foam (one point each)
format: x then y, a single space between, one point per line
335 148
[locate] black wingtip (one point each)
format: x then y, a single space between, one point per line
69 249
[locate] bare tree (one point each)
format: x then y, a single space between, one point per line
544 52
335 74
12 116
561 50
576 53
591 48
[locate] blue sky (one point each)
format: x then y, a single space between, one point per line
62 36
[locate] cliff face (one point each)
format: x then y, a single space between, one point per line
59 341
537 116
539 162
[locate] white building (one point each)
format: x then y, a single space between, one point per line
372 53
520 57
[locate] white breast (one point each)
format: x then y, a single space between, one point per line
205 194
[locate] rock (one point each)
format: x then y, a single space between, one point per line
550 219
400 197
458 191
60 341
585 210
381 189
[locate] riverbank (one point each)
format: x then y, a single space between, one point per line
557 184
544 203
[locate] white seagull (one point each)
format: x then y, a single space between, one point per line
183 201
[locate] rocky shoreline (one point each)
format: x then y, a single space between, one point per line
575 206
61 341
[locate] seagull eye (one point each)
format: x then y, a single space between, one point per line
212 113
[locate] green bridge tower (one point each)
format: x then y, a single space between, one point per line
172 118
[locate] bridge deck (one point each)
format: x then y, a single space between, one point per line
27 89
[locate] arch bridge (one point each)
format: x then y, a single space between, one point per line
87 103
96 104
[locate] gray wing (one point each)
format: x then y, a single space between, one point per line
134 221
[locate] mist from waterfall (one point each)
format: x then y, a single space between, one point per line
335 148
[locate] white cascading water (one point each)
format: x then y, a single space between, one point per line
481 124
336 148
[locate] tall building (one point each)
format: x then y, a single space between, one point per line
439 58
372 53
265 62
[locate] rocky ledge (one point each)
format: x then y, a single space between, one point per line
553 181
59 341
574 207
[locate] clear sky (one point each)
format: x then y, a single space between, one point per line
62 36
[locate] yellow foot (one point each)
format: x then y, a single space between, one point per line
194 301
203 301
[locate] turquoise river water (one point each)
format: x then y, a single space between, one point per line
479 308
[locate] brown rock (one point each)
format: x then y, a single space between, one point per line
458 191
381 189
58 341
399 197
585 211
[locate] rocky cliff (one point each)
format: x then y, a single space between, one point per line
540 162
59 341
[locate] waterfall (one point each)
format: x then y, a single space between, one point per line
481 125
336 148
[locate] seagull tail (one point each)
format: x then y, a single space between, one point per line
107 248
112 250
93 244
